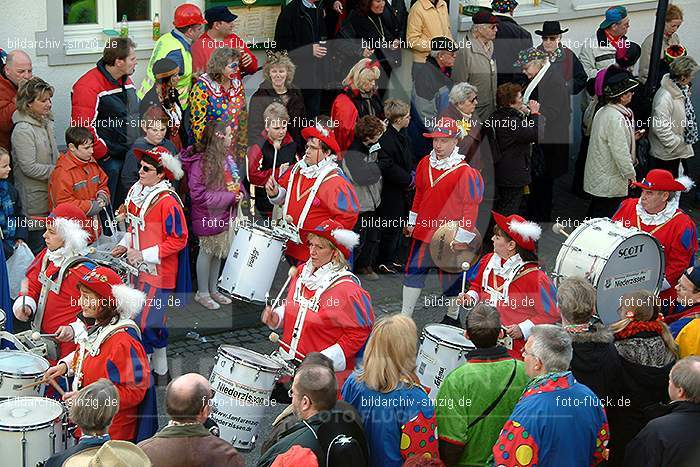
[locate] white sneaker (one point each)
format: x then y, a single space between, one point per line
206 301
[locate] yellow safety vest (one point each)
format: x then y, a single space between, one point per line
166 44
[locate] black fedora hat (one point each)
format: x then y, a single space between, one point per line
551 28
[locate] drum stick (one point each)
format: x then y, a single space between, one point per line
559 229
274 337
291 273
37 335
274 162
465 268
51 381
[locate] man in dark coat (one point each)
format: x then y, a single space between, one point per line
561 57
510 39
673 440
314 396
432 82
300 30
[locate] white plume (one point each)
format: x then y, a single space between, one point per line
173 164
686 181
347 238
528 230
75 238
129 300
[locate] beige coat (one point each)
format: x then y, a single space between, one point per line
645 58
609 165
426 21
667 120
34 155
475 65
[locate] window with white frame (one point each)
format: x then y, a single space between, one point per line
88 23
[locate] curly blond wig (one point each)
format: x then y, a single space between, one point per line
363 72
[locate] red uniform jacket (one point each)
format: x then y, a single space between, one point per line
164 235
344 317
677 236
445 195
205 45
124 362
531 296
61 308
335 199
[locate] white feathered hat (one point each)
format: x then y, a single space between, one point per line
172 167
523 232
333 231
106 283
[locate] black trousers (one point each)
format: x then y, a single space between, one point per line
672 165
539 207
366 251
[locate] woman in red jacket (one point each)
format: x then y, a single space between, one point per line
109 347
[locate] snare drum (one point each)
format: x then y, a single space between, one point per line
17 369
443 348
32 429
252 263
242 381
615 259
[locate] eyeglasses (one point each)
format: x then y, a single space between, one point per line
473 99
315 148
145 168
233 65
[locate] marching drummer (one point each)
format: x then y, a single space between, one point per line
313 190
326 309
657 213
111 348
156 243
50 297
511 280
447 189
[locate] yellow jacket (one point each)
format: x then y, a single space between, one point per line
688 339
426 21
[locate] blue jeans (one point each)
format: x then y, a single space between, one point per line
113 169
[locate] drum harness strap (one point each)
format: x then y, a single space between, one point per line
138 221
493 404
92 343
312 303
323 176
48 285
501 291
444 174
639 223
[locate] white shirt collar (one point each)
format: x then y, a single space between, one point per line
314 279
660 217
448 162
313 171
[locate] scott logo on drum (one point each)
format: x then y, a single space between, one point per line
630 251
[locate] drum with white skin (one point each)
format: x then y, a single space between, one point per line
19 369
615 259
443 348
252 262
32 429
242 381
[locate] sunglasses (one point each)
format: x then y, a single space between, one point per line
146 168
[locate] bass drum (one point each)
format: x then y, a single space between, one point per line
615 259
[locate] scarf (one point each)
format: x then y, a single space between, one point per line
535 81
139 193
7 210
555 55
448 162
57 256
636 327
313 171
660 217
690 131
628 116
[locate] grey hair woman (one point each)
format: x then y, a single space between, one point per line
464 97
95 406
